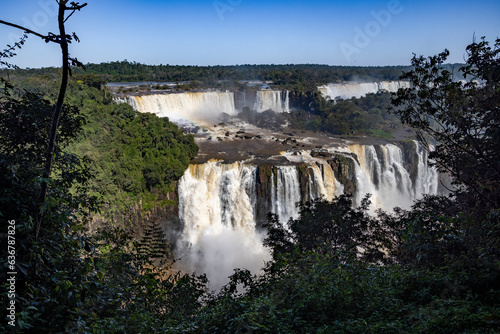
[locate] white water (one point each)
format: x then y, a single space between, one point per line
203 108
273 100
287 193
428 177
216 207
217 201
384 176
335 91
323 184
197 107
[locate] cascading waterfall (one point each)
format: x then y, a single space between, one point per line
323 184
216 196
272 100
203 107
217 200
382 174
427 177
334 91
287 193
190 107
216 206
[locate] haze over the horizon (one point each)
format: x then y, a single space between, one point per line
231 32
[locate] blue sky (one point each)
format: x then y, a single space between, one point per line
229 32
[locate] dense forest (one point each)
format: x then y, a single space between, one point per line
125 71
336 269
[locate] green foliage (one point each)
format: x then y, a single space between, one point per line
132 153
365 115
135 295
332 227
50 284
381 134
66 276
462 118
312 287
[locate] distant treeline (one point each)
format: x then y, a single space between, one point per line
303 77
279 74
125 71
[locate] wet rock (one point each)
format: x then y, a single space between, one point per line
344 171
319 153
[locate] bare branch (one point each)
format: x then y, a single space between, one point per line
64 40
75 6
49 38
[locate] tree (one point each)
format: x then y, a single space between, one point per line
335 228
63 39
461 118
48 223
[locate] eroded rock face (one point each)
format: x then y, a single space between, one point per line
344 172
410 157
266 176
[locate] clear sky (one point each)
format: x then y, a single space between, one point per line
231 32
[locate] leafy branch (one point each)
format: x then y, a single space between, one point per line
63 39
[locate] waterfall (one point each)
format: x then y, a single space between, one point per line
287 193
323 184
382 173
190 107
334 91
273 100
204 107
427 177
392 86
218 201
215 196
